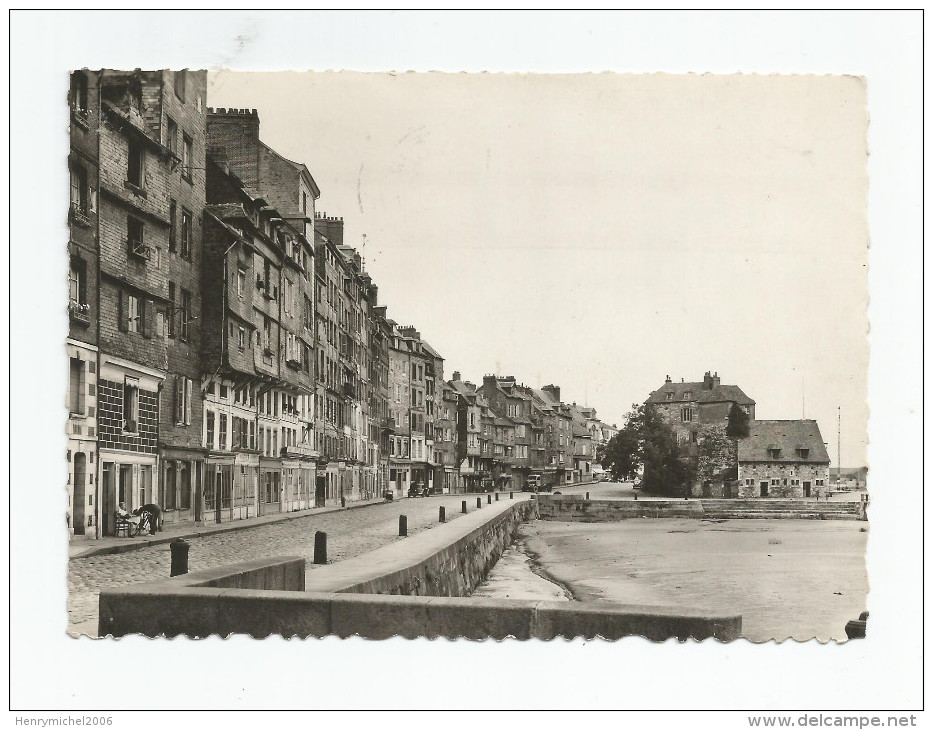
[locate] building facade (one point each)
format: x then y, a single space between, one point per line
782 459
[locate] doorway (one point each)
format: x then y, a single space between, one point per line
79 499
707 491
125 486
320 488
763 487
806 489
107 504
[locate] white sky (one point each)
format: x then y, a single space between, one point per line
602 231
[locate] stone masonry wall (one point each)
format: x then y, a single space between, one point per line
789 478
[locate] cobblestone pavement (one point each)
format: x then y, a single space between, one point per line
349 533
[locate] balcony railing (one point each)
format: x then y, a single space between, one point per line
79 215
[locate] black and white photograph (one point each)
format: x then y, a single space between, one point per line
469 357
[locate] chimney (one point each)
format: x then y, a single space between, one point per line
716 378
707 380
554 390
456 375
667 380
489 380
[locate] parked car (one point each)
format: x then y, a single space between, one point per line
419 490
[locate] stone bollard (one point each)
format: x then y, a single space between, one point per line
587 495
636 497
403 526
479 503
511 495
488 499
179 548
343 502
463 506
320 548
497 496
441 514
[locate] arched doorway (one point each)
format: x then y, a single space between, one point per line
80 497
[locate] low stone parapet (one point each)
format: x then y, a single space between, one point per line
205 603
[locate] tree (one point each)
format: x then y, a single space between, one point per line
647 443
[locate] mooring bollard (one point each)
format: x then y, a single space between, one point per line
441 514
479 503
587 495
497 496
343 502
179 548
320 548
463 506
403 526
488 499
511 495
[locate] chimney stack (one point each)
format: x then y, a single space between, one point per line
456 375
667 380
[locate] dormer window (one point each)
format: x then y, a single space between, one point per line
688 395
774 453
803 453
670 396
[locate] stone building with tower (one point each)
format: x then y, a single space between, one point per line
688 406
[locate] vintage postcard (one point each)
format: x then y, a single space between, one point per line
467 355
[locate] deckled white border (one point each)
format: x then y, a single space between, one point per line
50 671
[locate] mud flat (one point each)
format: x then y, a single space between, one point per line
514 576
799 579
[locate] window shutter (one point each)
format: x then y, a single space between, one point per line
144 319
179 398
123 311
187 391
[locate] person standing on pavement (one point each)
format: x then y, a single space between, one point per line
155 517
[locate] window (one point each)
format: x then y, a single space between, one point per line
670 396
686 414
252 435
209 420
185 311
287 290
172 224
79 189
803 453
186 157
186 233
183 387
774 453
241 338
135 238
222 444
688 395
240 281
79 93
180 84
171 311
130 405
171 135
77 387
136 164
133 314
224 391
77 285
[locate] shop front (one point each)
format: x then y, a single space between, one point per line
270 485
180 485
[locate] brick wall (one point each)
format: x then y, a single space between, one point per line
234 136
131 345
110 419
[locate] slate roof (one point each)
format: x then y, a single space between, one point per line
700 393
788 436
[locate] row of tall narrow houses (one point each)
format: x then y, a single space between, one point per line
228 354
771 458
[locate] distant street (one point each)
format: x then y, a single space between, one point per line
349 533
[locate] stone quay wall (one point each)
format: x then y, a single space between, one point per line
577 509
